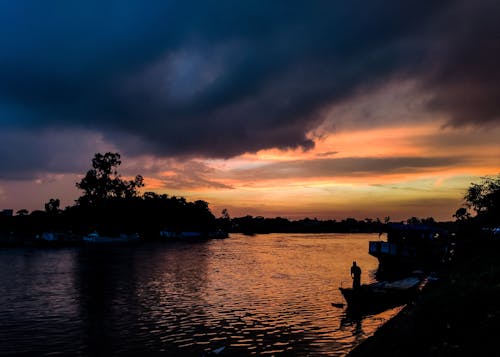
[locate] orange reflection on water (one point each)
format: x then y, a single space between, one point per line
268 294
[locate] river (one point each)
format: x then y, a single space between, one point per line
253 295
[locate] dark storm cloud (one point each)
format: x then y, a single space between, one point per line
217 79
348 166
464 74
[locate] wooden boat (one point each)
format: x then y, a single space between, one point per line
382 294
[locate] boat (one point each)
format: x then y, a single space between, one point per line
50 237
410 247
95 238
384 294
57 239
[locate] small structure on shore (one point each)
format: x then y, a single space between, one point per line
411 247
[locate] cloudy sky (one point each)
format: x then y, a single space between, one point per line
327 109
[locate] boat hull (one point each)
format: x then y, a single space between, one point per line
382 295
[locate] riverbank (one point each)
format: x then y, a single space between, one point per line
457 316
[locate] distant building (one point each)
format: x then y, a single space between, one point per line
7 212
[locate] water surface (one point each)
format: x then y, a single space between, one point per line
254 295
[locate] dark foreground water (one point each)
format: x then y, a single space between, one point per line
254 295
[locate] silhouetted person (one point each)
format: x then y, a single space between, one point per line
355 275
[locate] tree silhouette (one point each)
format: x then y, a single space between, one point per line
22 212
52 206
103 181
461 214
484 199
413 220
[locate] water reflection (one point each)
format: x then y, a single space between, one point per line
106 288
37 304
149 296
258 295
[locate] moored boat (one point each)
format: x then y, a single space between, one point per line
94 237
57 239
383 294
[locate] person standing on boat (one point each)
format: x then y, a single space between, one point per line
355 275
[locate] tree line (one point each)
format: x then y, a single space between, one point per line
480 214
111 204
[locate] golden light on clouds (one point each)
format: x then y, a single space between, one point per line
398 171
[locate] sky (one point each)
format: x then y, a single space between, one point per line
326 109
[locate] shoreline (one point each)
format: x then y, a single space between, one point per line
456 316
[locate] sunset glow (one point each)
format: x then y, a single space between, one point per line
297 183
326 112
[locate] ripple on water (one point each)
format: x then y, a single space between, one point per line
260 295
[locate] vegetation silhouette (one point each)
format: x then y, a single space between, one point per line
113 205
102 182
258 225
478 221
484 199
